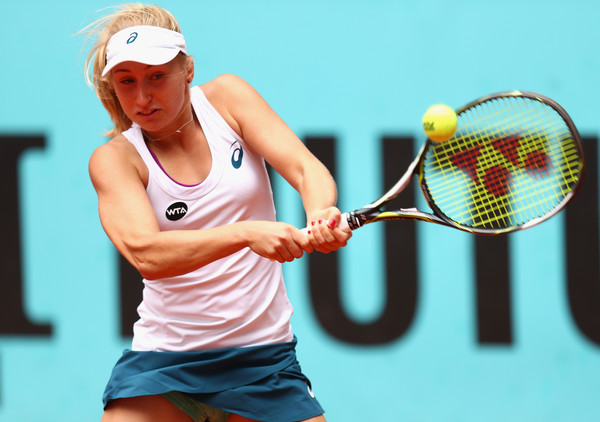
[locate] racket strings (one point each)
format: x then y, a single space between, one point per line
497 180
535 159
490 205
512 161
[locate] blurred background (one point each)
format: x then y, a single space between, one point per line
411 322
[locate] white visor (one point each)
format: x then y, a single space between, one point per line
151 45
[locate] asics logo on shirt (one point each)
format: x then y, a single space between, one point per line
310 392
238 154
176 211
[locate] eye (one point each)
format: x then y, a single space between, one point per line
156 76
126 81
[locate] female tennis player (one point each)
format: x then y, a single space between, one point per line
184 195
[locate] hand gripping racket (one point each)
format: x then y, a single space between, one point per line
515 160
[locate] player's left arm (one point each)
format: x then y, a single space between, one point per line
268 135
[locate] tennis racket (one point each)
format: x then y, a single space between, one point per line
515 160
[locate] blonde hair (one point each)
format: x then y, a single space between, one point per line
102 30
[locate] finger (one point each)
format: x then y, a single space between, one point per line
283 255
335 239
317 233
303 240
327 232
341 236
290 250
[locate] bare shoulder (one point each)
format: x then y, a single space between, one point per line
114 151
226 84
232 97
231 93
115 158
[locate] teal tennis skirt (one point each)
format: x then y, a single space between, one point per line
263 383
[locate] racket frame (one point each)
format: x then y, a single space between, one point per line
373 212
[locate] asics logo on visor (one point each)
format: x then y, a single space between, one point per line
153 45
132 37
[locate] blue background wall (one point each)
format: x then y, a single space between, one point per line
353 70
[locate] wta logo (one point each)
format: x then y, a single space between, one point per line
176 211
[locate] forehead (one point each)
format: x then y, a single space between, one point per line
137 67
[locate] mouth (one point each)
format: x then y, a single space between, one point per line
147 113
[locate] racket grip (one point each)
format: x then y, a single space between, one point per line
343 224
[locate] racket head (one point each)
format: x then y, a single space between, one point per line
515 160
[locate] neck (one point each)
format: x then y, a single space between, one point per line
178 131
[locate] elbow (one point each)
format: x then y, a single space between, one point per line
143 266
140 256
153 266
148 267
146 270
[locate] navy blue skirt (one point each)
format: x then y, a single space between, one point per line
263 383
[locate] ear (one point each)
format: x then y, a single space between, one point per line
189 72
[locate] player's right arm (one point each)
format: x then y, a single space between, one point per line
119 177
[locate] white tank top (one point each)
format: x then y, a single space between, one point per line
239 300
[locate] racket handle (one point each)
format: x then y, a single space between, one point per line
343 224
344 221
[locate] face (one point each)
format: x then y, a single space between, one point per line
155 97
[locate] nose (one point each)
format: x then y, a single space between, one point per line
143 94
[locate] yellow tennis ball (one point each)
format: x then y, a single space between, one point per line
439 122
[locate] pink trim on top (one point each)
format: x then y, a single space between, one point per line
167 174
